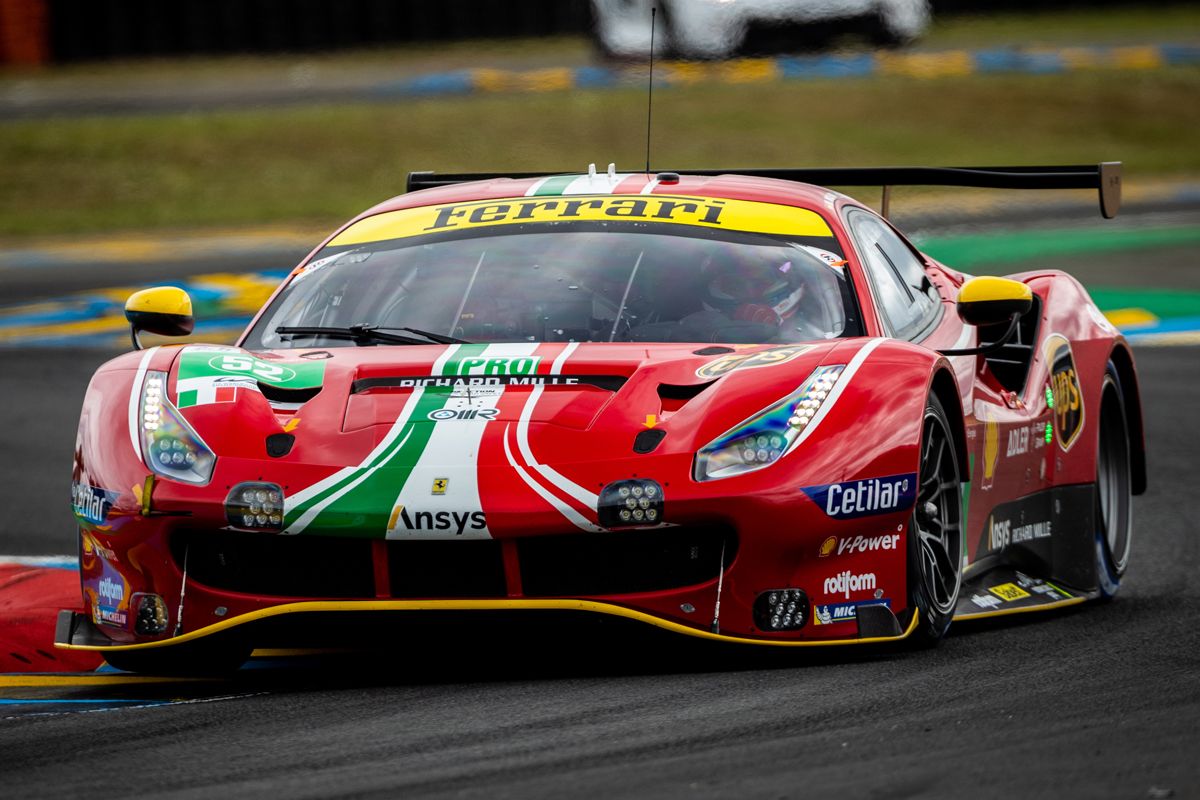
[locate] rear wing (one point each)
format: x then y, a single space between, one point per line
1105 178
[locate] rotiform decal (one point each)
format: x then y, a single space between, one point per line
846 582
866 497
1067 398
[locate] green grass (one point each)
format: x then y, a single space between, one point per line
1137 24
321 164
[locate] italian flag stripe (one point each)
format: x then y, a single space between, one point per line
550 187
367 485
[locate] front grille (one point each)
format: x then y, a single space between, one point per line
596 564
446 569
283 566
569 565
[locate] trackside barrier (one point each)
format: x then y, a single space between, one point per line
942 64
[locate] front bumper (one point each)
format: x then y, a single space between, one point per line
75 631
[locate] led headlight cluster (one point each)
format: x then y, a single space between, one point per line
770 434
781 610
169 445
255 506
635 501
151 616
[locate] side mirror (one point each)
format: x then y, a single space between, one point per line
164 310
987 301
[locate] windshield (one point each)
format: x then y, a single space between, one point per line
581 281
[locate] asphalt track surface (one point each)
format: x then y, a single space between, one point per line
1098 701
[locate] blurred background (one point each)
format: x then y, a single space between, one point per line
212 143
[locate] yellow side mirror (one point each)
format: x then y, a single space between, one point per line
993 301
164 310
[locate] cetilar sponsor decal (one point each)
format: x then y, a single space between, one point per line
864 498
830 613
91 504
846 582
858 544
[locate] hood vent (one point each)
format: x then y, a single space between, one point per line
675 396
297 397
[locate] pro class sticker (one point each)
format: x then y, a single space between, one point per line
1065 392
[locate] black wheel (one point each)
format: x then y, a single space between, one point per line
182 660
935 540
1114 488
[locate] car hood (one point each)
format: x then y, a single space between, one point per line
577 401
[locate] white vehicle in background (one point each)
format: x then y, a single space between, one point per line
712 29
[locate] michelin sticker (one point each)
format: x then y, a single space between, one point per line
831 613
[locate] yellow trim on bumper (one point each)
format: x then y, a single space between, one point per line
479 605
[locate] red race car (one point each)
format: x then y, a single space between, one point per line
739 407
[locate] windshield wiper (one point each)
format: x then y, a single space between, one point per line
361 334
440 338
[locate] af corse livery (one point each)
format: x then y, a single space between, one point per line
739 407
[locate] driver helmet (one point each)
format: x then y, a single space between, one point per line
753 289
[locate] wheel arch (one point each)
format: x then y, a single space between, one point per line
1127 383
943 386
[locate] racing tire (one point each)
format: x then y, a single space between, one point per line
1114 488
935 540
180 661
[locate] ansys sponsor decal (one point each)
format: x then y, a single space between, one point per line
388 492
854 499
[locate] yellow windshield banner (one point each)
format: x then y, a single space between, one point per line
704 212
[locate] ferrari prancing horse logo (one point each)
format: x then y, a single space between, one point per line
439 485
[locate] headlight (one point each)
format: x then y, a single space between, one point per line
169 445
770 434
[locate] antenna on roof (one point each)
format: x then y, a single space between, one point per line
650 87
